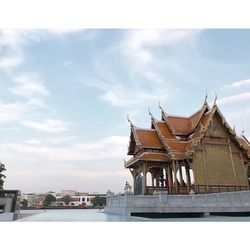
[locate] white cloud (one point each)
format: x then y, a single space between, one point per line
119 95
33 142
10 62
83 163
234 98
138 48
28 86
11 112
238 84
138 43
48 125
67 63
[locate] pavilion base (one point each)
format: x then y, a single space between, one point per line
167 215
162 204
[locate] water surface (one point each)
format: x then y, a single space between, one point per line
93 215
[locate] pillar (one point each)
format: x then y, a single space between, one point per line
170 176
180 175
144 187
175 179
152 177
188 176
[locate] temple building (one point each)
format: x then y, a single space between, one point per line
182 155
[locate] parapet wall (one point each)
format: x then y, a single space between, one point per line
161 202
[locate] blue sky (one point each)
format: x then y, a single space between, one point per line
65 96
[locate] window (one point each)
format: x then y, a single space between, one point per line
83 199
87 199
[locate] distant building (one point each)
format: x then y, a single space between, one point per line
68 192
34 200
77 199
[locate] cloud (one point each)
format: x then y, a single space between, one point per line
145 83
234 98
67 63
238 84
11 112
28 86
33 142
138 43
48 125
122 95
92 165
10 62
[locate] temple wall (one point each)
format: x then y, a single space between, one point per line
198 169
219 165
239 169
219 160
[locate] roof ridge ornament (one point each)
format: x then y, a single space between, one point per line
131 124
149 112
242 132
234 130
215 99
205 101
160 107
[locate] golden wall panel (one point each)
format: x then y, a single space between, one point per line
198 169
239 170
219 165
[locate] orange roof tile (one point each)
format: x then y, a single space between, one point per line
180 125
185 125
148 156
165 131
148 138
244 142
177 135
154 156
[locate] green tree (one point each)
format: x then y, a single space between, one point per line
66 199
48 199
2 176
24 203
99 201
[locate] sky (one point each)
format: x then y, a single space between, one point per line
65 96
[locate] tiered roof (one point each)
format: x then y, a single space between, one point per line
175 137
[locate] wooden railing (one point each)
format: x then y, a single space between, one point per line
200 189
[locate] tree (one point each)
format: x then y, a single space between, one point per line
99 201
66 199
24 203
48 199
2 176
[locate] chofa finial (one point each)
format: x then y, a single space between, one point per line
243 131
160 107
149 112
205 96
215 99
234 129
131 124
